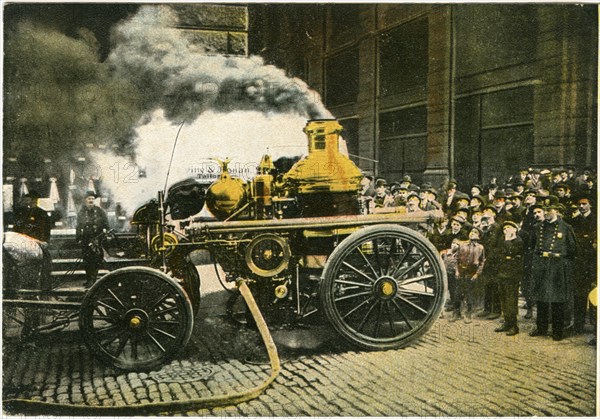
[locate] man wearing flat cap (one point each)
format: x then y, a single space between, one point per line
92 222
553 256
585 225
510 271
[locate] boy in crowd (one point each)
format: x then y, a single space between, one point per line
510 271
470 259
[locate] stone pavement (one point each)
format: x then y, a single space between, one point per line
456 369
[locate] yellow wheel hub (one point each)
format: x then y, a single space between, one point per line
387 289
135 322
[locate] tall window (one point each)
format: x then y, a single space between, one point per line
403 143
404 58
342 78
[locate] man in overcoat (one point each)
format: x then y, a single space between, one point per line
92 222
554 252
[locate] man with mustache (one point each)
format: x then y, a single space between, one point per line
554 252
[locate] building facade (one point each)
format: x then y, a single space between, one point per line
434 91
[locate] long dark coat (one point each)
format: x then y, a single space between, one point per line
554 251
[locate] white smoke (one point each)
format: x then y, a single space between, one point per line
233 107
242 136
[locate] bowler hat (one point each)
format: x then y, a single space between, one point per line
500 194
491 208
462 196
481 200
458 218
413 195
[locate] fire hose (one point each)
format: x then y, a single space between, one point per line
24 406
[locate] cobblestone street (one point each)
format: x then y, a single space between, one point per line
456 369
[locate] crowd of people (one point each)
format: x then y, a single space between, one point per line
532 235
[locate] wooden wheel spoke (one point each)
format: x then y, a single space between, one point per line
377 256
410 268
156 342
122 344
390 258
158 301
402 314
358 271
348 297
364 320
389 316
108 306
356 308
367 261
108 333
415 292
358 284
415 279
166 310
117 299
164 333
410 303
404 256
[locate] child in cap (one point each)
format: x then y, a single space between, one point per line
470 259
510 271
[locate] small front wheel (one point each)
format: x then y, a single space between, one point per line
136 318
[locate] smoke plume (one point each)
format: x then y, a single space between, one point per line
61 96
178 76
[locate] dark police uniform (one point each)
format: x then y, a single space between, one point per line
584 276
91 223
555 248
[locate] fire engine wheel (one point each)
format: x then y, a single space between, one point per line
136 318
383 287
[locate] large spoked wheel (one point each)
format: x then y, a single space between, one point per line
383 287
136 318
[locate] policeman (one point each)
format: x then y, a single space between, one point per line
92 222
585 227
554 252
31 220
